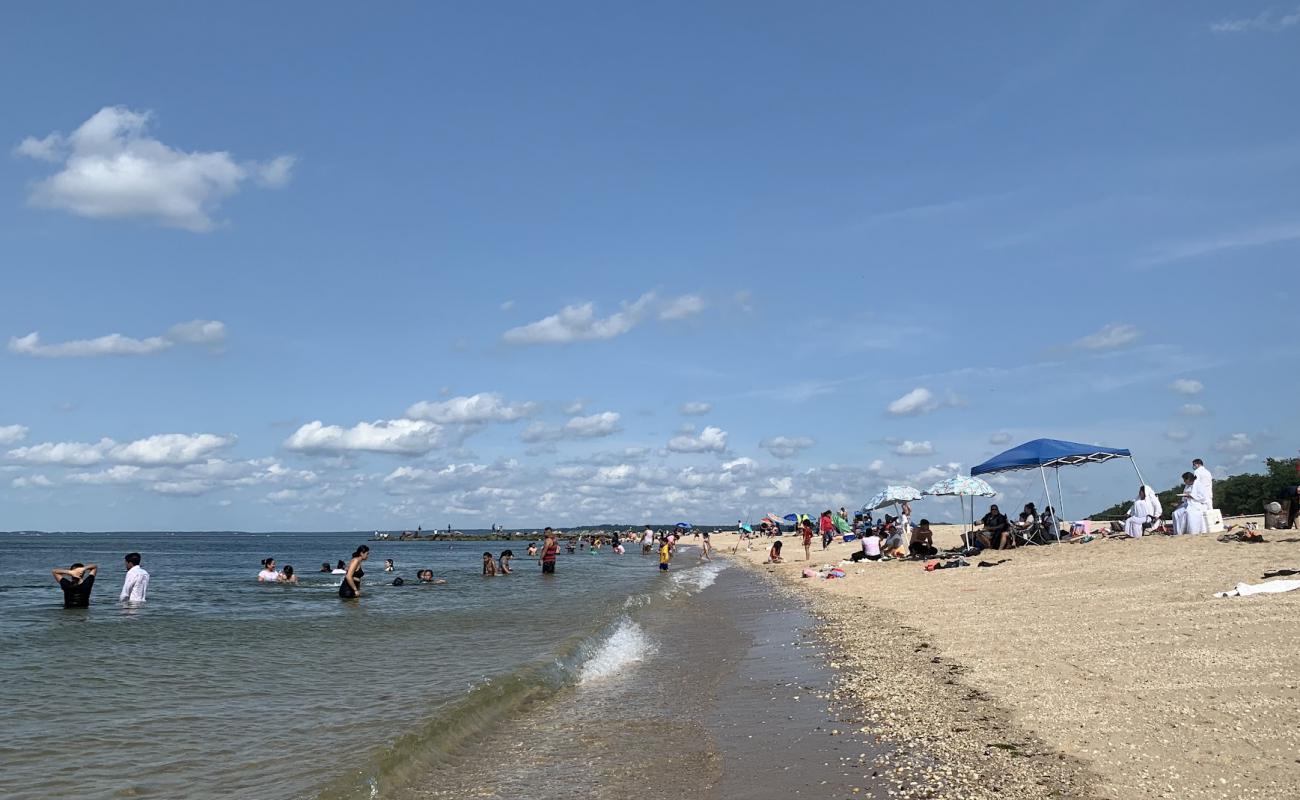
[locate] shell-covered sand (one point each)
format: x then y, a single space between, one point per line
1103 669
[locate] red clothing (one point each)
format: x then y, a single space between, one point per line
551 551
807 535
827 525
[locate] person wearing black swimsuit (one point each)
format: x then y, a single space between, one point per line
351 585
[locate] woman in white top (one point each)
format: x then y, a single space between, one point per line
268 573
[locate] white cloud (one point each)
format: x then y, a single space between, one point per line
741 464
399 436
1195 248
679 307
197 332
1001 437
921 401
933 473
579 323
1178 435
120 474
1187 386
695 409
31 482
1236 443
161 449
1269 21
910 448
111 168
592 426
10 434
1192 410
476 408
507 305
1110 336
575 408
786 446
777 487
710 440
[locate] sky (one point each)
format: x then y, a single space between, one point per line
307 266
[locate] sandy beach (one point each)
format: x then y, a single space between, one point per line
1104 669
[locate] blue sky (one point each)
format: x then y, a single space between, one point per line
551 263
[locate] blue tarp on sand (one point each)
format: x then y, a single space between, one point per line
1048 453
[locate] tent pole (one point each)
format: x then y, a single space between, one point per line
1134 462
1060 496
1046 491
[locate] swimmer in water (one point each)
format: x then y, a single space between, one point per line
287 575
325 567
268 573
532 549
388 565
489 566
340 569
350 588
506 555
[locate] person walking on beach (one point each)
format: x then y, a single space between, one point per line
706 547
136 585
827 527
76 582
550 550
350 588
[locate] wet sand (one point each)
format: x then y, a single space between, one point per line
1104 669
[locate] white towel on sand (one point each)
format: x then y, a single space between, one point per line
1272 587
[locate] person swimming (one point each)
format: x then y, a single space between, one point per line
268 573
325 567
489 566
340 568
532 548
426 576
388 565
350 588
506 556
287 576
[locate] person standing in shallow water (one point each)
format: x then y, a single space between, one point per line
76 582
550 550
350 588
135 588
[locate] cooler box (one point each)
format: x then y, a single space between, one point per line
1214 521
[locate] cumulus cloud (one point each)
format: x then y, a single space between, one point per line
1178 435
196 332
592 426
161 449
710 440
777 488
921 401
10 434
1109 337
1236 443
579 322
1187 386
679 307
786 446
695 409
1269 21
111 168
575 408
474 409
907 447
31 482
1001 437
398 436
1192 410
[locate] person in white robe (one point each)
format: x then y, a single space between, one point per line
1205 480
1190 516
1142 513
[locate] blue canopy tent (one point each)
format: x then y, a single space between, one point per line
1041 454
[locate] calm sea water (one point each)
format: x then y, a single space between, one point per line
221 687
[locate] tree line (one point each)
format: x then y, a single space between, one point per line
1235 495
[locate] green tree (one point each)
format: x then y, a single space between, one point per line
1235 495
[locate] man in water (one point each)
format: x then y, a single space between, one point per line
76 582
550 549
136 585
1204 480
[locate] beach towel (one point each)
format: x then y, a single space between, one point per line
1272 587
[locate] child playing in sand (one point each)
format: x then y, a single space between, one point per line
774 555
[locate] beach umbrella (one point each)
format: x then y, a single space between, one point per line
791 518
684 525
746 529
892 496
961 487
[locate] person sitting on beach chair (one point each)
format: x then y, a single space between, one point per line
996 533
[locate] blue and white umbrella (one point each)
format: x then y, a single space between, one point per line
961 487
892 496
686 526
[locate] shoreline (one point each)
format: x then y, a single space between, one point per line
1104 669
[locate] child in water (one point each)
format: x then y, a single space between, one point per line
665 555
489 566
506 555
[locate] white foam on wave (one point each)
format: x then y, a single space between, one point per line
628 644
697 579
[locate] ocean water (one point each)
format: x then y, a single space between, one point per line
222 687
